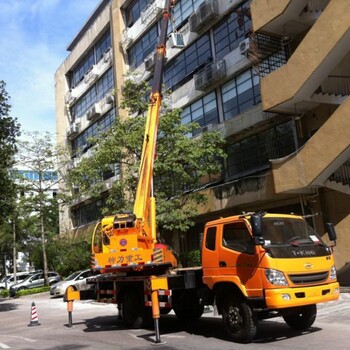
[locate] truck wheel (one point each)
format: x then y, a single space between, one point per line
133 309
302 318
239 320
186 305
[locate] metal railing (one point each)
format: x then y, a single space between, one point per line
335 85
342 174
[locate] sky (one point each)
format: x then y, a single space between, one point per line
34 36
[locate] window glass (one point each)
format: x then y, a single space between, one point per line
103 45
210 238
240 94
81 143
254 153
182 10
204 111
189 61
133 11
237 237
232 30
88 212
143 47
91 58
94 94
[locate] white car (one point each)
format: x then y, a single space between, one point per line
76 279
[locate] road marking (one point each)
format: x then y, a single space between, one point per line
4 346
29 340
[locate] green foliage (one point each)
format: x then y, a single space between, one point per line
64 255
9 131
4 293
190 259
38 212
182 163
32 291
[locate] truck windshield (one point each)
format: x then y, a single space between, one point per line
289 231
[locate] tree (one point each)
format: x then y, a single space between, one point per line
182 163
37 156
9 131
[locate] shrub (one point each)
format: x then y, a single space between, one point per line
192 258
4 293
32 291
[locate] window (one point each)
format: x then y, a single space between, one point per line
240 94
182 10
91 58
189 61
133 11
88 213
204 111
210 238
237 237
94 94
253 154
232 30
143 47
81 143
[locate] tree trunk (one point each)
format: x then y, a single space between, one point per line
43 245
14 252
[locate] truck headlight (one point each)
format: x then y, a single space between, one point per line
276 277
333 273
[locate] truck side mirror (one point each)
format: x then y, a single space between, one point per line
257 230
331 231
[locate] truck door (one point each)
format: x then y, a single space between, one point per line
210 255
237 256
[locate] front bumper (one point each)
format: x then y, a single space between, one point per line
278 298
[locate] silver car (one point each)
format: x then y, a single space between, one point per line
7 281
34 281
76 279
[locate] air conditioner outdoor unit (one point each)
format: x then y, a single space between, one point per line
73 130
149 63
207 12
244 47
107 56
93 112
69 97
176 40
210 74
109 99
90 77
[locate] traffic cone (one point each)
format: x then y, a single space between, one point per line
34 321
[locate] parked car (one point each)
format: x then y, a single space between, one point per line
7 281
34 281
76 279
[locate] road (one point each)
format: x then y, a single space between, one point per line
96 326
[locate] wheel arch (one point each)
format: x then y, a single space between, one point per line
223 289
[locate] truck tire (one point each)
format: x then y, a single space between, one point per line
239 320
187 305
133 309
301 318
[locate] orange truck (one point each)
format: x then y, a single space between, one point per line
253 266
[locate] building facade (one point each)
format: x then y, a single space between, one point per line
227 65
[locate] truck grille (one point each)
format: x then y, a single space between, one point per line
309 278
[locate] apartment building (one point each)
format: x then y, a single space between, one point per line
218 76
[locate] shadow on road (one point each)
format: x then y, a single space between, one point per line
7 306
208 327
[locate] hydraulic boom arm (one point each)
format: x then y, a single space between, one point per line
122 234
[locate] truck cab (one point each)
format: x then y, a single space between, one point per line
263 265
